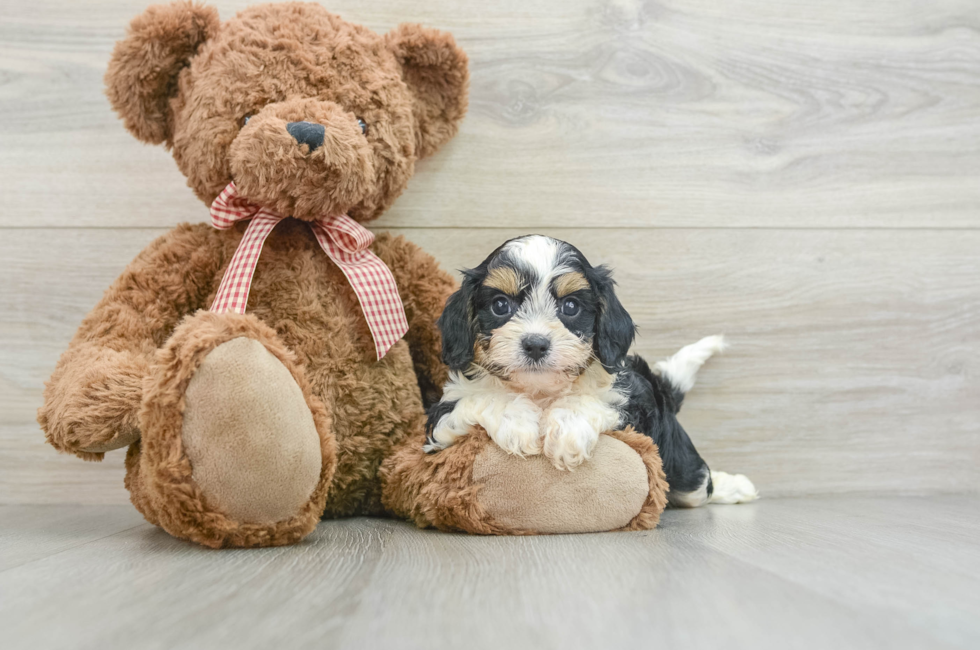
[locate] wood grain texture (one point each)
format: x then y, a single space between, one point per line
35 532
792 573
854 366
583 113
800 176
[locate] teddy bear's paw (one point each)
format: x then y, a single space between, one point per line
531 495
249 434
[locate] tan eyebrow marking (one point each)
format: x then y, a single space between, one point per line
505 279
570 283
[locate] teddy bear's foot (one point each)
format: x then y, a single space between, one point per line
605 493
235 449
474 486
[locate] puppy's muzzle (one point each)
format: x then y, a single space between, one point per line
536 346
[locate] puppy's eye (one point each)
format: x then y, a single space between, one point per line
246 119
570 307
500 306
361 123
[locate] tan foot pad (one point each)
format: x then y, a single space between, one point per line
250 435
602 494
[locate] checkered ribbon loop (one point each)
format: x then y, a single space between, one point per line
345 241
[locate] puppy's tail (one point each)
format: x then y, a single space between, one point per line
680 370
678 374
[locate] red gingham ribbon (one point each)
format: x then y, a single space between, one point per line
344 241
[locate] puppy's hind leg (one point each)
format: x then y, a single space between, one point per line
680 371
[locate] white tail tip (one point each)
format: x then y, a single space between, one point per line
682 368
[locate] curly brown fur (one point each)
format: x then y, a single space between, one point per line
408 87
142 74
649 515
436 71
303 296
92 399
136 486
175 499
270 169
437 490
425 287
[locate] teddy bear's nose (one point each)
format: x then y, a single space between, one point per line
307 133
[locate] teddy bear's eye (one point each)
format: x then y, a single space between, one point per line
361 123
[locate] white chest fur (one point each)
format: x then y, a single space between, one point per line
531 413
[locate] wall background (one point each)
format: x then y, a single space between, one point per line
804 177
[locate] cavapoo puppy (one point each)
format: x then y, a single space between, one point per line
536 341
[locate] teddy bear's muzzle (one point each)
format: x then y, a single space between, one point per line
304 158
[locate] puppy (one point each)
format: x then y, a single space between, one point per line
536 342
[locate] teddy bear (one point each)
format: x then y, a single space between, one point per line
273 367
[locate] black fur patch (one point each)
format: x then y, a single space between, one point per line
458 328
614 328
436 412
652 407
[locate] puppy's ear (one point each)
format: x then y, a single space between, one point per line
614 327
458 326
436 72
142 74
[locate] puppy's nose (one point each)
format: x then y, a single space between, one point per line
307 133
536 346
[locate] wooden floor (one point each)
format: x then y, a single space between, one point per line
816 572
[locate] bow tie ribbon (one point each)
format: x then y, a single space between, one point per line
345 241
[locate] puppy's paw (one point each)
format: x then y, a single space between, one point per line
569 437
732 488
445 432
517 430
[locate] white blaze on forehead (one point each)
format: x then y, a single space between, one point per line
547 258
542 254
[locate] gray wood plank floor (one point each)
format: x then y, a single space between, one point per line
815 572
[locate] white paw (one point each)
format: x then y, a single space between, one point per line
569 437
732 488
432 447
445 433
516 430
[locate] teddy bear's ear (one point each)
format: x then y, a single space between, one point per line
437 73
142 74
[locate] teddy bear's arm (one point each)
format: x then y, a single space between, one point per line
424 288
92 401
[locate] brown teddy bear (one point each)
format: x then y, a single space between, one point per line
245 426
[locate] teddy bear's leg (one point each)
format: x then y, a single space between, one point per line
136 486
476 487
235 449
